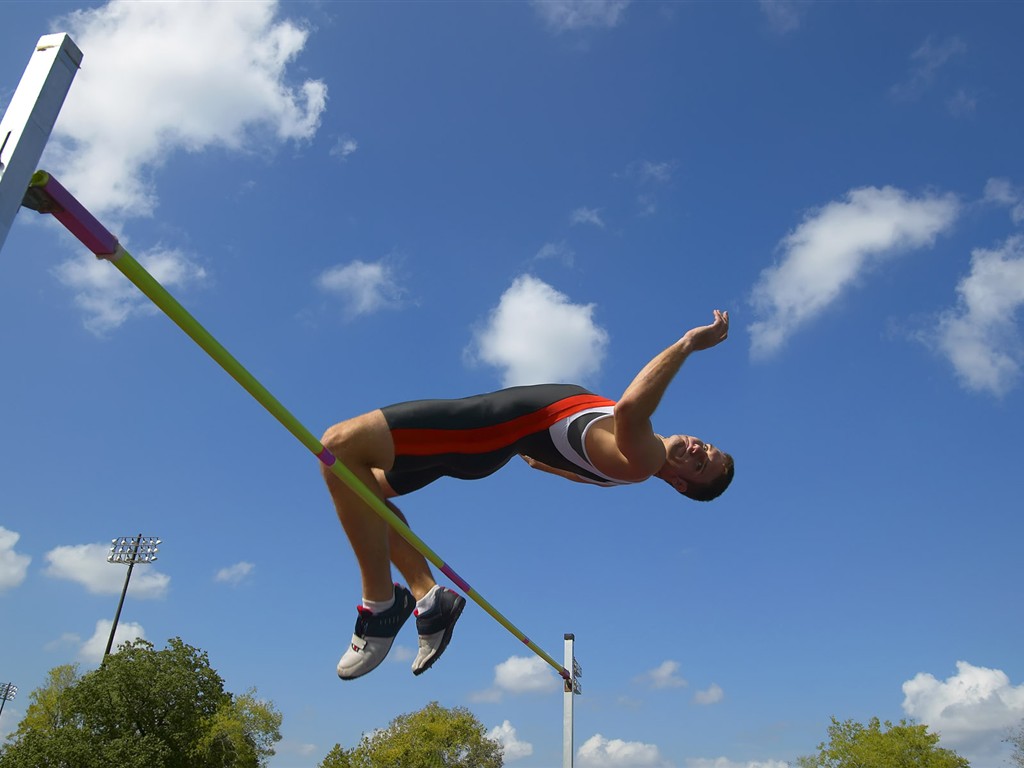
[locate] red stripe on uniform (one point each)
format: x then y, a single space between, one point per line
426 442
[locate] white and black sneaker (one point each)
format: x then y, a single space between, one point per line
435 627
374 635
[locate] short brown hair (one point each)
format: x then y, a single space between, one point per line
715 488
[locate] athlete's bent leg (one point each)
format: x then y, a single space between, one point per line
362 444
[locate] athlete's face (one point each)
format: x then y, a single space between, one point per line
690 461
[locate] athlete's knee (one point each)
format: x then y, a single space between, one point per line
340 438
359 442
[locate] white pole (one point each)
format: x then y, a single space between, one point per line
572 688
30 117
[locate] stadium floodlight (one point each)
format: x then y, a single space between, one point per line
129 551
7 693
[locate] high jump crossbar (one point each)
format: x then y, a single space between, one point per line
46 195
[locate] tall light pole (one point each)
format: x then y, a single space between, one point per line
131 551
7 693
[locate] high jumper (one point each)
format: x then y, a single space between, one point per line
558 428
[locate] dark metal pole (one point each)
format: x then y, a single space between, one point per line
7 691
120 603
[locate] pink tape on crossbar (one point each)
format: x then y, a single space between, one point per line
456 579
82 224
326 457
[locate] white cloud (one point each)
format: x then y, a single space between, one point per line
599 752
513 748
586 216
558 251
832 248
13 566
925 62
710 695
525 674
201 74
972 709
87 565
343 147
364 287
722 762
92 649
234 574
570 15
536 335
108 298
665 675
980 336
1002 192
783 15
519 675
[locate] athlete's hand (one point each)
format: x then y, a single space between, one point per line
707 336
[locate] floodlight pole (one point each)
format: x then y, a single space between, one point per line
130 551
30 117
571 688
7 693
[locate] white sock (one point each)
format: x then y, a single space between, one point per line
378 606
426 602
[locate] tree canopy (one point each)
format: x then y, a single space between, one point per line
433 737
907 745
143 708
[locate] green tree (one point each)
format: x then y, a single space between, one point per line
49 708
143 708
907 745
433 737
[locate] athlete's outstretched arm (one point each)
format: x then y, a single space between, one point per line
634 435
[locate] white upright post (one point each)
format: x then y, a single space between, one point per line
572 688
30 117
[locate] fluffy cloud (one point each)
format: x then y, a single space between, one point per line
832 248
13 566
234 574
537 335
599 752
87 565
710 695
364 287
91 651
514 749
518 675
665 675
570 15
202 74
980 336
972 709
108 299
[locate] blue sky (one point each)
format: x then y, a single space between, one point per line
368 203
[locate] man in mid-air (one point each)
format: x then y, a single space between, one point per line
558 428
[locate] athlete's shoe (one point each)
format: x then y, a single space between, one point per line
435 627
374 635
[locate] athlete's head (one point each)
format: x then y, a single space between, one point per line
696 469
